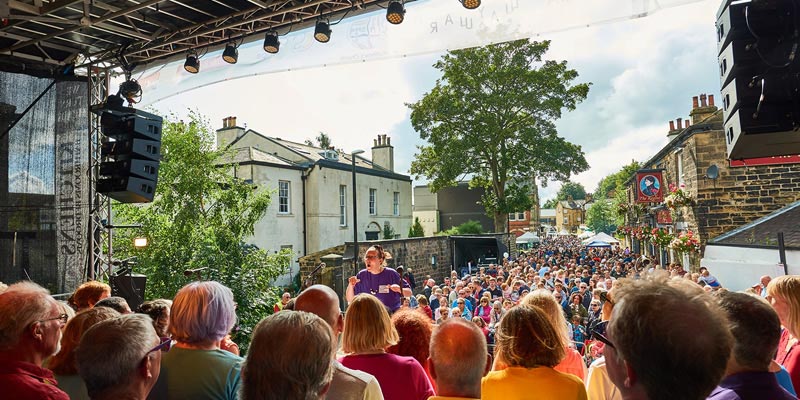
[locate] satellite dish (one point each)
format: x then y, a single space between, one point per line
712 172
505 255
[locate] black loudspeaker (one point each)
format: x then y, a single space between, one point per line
131 151
130 287
759 67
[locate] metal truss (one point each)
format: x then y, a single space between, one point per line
99 261
148 32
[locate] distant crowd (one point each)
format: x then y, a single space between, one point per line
559 322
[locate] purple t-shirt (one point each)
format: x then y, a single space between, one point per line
378 285
401 378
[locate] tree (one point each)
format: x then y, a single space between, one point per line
601 217
388 232
323 141
199 221
416 229
470 227
551 203
571 189
491 116
614 182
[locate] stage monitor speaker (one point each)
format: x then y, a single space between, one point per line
130 287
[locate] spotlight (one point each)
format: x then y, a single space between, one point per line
231 53
395 13
271 42
322 32
192 64
470 4
140 242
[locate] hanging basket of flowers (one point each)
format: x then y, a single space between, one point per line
678 197
661 237
686 242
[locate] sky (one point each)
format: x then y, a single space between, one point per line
643 71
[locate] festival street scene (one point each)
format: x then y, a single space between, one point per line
400 199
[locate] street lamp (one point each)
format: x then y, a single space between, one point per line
355 212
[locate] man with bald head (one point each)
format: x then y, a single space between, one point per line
457 372
347 384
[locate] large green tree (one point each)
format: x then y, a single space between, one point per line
613 186
601 217
491 117
199 221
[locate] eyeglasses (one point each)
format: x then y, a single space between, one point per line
164 345
62 317
603 339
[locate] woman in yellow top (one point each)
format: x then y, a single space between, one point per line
527 349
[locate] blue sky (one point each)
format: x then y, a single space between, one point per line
644 73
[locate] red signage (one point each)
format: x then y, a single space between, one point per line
663 217
649 186
749 162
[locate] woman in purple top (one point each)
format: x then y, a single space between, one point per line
384 283
368 332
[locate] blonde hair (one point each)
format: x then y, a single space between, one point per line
64 362
546 302
367 326
787 287
527 338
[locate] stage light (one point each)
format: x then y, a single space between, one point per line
231 53
192 64
140 242
395 13
271 43
322 32
470 4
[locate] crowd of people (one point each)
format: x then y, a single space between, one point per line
559 322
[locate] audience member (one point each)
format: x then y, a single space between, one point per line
756 331
115 303
301 369
598 384
368 331
384 283
89 293
347 384
120 358
658 322
64 364
30 331
458 373
158 310
196 368
285 297
414 330
528 346
783 293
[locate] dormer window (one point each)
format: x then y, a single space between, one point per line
329 155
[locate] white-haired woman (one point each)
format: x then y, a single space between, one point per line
196 368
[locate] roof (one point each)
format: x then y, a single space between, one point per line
763 232
245 155
60 32
572 204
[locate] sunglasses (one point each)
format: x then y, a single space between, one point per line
602 338
164 345
62 317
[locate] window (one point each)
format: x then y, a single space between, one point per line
373 199
283 197
342 205
566 220
679 162
512 217
396 203
521 216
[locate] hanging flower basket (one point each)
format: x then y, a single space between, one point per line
686 242
661 237
678 197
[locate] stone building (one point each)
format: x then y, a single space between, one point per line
729 193
570 215
312 203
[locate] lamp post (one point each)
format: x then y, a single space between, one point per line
355 212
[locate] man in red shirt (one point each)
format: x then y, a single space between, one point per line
30 331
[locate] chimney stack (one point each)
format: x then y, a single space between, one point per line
228 133
383 153
695 102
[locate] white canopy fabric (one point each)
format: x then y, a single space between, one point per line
585 235
598 243
601 237
528 237
564 233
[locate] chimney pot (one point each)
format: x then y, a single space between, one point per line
695 102
671 126
711 100
703 100
679 123
686 123
233 121
225 122
374 142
